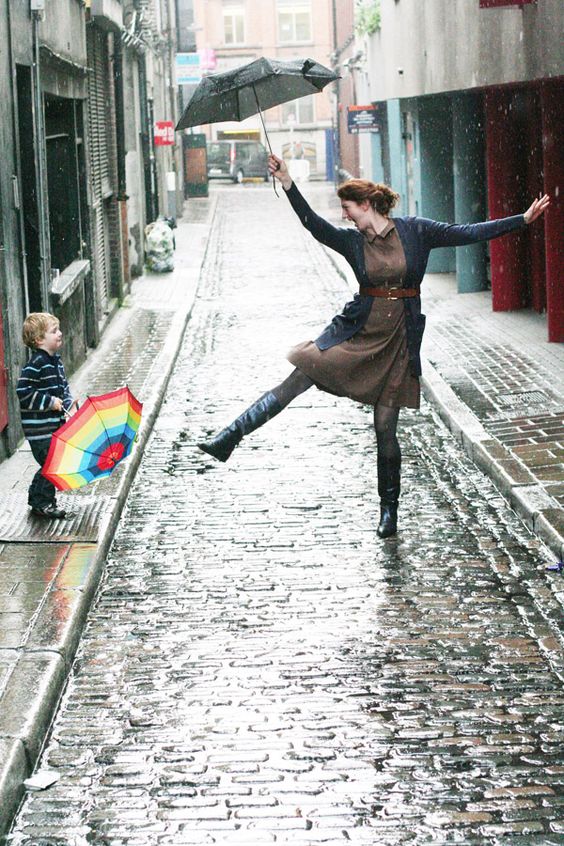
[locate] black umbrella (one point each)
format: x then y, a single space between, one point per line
239 93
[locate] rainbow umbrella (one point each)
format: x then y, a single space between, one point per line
94 440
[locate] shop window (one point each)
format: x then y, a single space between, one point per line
294 21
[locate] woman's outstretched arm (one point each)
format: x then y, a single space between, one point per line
456 235
338 238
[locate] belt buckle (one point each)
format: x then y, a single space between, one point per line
391 297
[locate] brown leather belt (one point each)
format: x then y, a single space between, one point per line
389 293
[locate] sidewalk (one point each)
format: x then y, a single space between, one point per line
49 571
499 386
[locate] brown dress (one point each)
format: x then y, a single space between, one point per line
372 366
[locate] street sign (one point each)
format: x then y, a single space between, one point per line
188 68
164 133
363 119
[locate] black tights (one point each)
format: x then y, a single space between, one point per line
385 417
386 424
294 385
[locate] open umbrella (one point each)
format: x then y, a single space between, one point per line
94 440
239 93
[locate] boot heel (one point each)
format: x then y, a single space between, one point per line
222 445
388 521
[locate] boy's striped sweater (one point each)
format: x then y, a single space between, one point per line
41 380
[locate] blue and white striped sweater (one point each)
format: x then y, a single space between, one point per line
42 380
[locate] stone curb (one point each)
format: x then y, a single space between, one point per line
44 669
513 479
529 499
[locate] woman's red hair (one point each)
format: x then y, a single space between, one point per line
380 196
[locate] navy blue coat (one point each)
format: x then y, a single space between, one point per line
418 236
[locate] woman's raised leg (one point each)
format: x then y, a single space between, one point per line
389 467
267 406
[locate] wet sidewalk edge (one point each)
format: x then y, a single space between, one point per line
36 685
526 495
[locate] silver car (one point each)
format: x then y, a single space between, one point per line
237 160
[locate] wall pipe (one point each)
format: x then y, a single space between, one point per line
40 167
17 164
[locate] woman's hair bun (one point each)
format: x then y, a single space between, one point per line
380 196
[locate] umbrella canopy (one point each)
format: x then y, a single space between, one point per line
236 94
94 440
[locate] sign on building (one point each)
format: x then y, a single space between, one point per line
188 69
164 133
190 66
363 119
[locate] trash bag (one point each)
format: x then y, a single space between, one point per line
159 246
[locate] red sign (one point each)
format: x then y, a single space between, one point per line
164 133
490 4
3 381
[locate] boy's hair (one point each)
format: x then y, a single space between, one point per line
35 326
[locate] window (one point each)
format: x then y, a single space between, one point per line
233 22
294 21
302 110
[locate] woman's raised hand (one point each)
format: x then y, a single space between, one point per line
279 169
537 208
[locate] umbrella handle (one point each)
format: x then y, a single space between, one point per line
67 414
266 136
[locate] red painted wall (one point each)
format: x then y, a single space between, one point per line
552 107
3 380
506 190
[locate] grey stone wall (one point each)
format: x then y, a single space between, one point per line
430 46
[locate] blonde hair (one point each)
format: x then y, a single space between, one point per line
35 326
381 197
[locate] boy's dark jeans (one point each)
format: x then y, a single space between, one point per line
41 492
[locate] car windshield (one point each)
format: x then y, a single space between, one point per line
218 150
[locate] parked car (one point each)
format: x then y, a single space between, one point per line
237 160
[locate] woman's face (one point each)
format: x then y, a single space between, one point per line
358 213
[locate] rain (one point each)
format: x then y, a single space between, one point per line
281 552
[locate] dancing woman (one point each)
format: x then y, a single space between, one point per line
369 352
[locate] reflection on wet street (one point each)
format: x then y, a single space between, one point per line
259 667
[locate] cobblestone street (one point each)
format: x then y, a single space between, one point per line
259 667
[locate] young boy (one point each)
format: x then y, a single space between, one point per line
44 396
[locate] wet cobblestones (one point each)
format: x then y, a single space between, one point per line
260 668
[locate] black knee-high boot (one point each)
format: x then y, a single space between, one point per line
389 474
255 416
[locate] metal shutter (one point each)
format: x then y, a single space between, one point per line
99 121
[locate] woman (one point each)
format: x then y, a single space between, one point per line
369 352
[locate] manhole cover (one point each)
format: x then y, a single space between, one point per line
522 398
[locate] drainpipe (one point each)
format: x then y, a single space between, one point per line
121 172
145 139
335 63
40 166
17 175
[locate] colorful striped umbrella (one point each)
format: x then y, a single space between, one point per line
94 440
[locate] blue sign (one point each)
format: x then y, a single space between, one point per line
188 68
